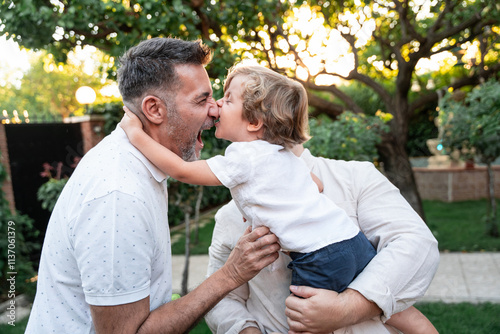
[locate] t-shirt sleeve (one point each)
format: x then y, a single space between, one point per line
234 167
114 248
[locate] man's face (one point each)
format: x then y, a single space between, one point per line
193 111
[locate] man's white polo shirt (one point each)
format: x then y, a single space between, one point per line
107 241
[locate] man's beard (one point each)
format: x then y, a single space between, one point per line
178 130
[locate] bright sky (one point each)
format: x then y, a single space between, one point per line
13 62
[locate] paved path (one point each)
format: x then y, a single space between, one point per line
461 277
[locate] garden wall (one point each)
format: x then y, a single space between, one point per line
455 184
26 147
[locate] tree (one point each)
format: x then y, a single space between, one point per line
471 125
59 82
385 41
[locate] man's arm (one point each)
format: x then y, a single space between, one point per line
405 246
254 251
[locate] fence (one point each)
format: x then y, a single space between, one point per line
25 118
26 146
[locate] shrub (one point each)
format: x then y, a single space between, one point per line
16 247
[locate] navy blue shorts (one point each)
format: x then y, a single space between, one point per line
332 267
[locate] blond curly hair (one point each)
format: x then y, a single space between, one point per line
280 102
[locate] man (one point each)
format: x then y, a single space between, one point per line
406 261
106 259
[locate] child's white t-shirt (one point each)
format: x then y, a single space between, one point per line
274 188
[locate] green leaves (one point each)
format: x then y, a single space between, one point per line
351 137
472 124
49 192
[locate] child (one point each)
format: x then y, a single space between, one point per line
265 114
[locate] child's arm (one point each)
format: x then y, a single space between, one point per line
412 321
193 172
318 182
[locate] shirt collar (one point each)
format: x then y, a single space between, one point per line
127 145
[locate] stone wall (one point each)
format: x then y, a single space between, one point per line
455 184
4 159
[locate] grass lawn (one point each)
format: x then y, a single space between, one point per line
459 226
204 239
463 317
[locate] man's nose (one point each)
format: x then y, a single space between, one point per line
213 111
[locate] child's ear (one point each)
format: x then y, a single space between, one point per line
154 109
255 126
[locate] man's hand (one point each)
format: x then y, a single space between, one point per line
324 311
255 250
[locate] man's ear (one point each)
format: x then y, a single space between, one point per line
153 109
255 126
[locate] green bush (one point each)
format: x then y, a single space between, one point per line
49 192
351 137
16 246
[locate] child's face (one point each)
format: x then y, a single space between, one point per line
232 125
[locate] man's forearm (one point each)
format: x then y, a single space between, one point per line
358 308
184 313
255 250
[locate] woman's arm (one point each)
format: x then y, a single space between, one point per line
192 172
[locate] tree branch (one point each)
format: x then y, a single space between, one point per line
351 105
322 106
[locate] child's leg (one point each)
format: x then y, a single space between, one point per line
412 321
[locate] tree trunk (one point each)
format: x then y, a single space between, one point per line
492 215
197 214
185 273
398 170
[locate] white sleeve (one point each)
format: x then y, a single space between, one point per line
230 315
407 253
233 168
114 244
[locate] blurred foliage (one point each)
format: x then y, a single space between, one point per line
55 85
471 122
24 246
351 137
49 192
471 125
112 112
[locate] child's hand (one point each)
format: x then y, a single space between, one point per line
130 122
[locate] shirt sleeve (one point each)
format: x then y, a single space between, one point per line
114 247
407 253
233 168
230 315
